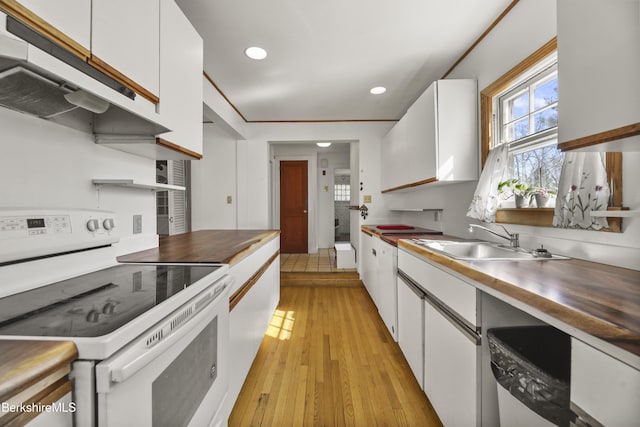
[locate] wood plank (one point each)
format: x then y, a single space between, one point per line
601 137
205 246
110 71
25 363
338 367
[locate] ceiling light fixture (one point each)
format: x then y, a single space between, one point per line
378 90
255 52
323 144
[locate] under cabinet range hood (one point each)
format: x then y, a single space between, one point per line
40 78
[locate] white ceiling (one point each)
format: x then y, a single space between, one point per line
325 55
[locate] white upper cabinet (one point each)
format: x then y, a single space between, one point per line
125 38
70 17
436 140
181 78
598 75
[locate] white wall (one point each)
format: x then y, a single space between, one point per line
47 165
213 178
528 26
253 162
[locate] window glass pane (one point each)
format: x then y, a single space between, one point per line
539 167
516 130
545 94
342 192
516 107
546 119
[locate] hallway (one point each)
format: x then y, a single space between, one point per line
328 360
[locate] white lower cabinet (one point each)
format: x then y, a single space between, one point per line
450 341
369 268
451 361
387 287
411 326
604 391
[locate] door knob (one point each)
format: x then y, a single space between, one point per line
304 211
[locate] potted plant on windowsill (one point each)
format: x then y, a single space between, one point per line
522 191
542 195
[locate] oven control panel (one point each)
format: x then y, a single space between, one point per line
11 227
28 233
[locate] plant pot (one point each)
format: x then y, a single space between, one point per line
542 200
521 201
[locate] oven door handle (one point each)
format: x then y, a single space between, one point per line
127 364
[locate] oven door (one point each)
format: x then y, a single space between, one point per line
170 377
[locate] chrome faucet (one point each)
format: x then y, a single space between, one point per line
513 238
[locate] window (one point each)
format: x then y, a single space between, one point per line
342 192
526 118
530 129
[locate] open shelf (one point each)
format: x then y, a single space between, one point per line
130 183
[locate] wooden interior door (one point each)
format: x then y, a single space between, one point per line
293 207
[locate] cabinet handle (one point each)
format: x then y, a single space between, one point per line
373 251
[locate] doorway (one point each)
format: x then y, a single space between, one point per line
341 200
294 207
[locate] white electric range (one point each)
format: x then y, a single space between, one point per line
151 338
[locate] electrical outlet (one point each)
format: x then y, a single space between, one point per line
367 199
229 200
137 224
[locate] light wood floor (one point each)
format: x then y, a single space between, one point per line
328 360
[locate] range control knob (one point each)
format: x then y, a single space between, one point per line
108 224
93 225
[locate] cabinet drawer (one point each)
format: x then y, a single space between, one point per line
456 294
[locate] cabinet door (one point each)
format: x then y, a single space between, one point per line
450 370
371 265
71 17
387 287
181 78
422 137
599 55
603 387
410 328
126 36
386 167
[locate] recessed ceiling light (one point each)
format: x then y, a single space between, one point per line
255 52
323 144
378 90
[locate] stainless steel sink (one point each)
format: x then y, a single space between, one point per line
481 251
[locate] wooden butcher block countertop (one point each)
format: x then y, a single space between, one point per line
392 236
204 246
598 300
29 368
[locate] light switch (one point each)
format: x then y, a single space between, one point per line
137 224
229 200
366 199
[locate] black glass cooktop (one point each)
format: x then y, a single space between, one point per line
97 303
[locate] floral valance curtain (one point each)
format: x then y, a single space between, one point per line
583 188
485 199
